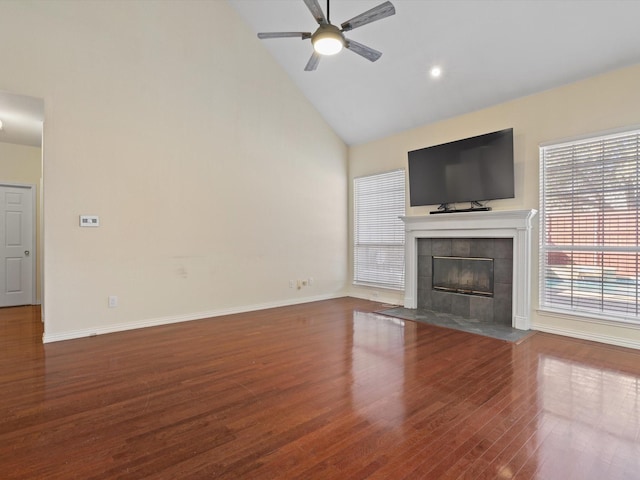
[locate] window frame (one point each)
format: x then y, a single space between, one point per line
607 249
382 237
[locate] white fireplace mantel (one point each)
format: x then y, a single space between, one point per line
515 224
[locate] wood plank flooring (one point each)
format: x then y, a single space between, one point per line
326 390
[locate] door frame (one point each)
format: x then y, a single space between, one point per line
34 235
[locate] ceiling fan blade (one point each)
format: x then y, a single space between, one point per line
302 35
316 11
313 62
364 51
383 10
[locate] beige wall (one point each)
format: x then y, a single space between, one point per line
215 180
597 104
23 165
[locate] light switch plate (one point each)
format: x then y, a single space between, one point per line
89 221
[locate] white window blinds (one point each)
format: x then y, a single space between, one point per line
378 232
589 253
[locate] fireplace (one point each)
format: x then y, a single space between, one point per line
464 275
470 278
474 235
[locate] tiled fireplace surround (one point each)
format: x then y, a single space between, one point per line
496 309
474 234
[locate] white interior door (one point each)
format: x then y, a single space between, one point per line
17 253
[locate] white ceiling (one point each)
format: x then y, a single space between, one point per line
491 51
22 119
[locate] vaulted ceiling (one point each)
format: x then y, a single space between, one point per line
490 51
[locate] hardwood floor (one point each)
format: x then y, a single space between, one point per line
325 390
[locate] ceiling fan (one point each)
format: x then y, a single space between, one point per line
329 39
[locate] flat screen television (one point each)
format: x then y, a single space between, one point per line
470 170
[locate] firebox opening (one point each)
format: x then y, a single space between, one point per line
468 276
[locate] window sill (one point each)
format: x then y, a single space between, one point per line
375 285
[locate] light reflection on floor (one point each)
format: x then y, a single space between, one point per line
378 368
589 423
581 421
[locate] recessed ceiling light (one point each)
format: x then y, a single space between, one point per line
435 72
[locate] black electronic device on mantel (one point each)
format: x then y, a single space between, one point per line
471 170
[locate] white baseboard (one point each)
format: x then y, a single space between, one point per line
154 322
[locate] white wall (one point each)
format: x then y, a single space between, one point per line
215 180
23 165
597 104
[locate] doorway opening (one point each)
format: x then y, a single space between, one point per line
21 199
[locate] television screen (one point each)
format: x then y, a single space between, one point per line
469 170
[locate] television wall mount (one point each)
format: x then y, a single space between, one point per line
475 207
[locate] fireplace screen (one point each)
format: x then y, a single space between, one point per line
470 276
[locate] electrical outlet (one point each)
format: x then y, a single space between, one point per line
291 283
113 301
310 281
89 221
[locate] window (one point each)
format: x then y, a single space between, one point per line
378 232
589 235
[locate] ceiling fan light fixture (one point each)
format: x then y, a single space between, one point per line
327 40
